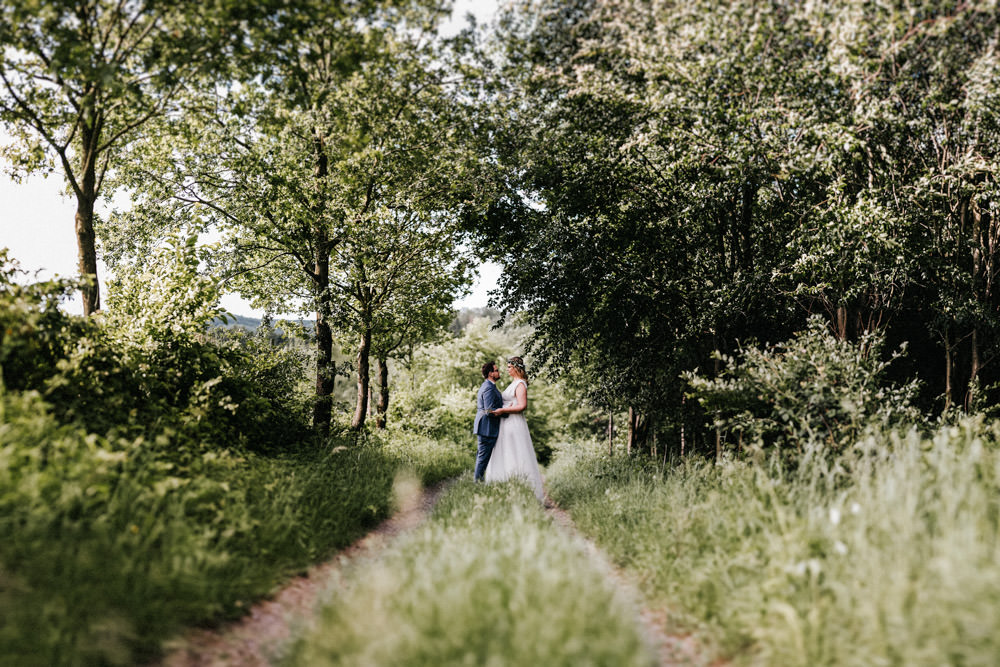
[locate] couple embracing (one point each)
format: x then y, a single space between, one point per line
505 449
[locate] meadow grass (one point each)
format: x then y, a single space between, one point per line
487 581
886 556
110 545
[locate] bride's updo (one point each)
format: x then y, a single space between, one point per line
517 364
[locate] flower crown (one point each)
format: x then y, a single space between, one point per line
517 363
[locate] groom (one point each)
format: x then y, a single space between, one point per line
487 425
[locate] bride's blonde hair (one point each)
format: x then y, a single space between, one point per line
518 363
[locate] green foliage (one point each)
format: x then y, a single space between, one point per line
165 297
153 476
488 581
812 388
80 82
894 564
34 333
686 176
114 544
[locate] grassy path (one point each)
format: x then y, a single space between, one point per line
526 598
670 649
257 639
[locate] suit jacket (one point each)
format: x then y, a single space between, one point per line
488 398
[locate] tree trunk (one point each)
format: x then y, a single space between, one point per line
611 432
947 371
361 410
638 427
840 326
325 368
86 242
325 371
683 421
383 394
630 439
974 367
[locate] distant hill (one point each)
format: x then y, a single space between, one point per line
248 323
251 323
462 317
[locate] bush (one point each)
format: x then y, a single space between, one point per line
812 388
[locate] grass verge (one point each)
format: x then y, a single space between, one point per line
887 556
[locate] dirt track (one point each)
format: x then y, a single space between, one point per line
258 639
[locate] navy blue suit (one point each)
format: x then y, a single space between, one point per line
486 426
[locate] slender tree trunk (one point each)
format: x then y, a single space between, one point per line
325 368
638 431
683 420
840 325
86 240
630 440
974 367
718 431
364 349
947 371
611 432
383 394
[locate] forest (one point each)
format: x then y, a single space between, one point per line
748 251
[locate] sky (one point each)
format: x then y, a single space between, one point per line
36 217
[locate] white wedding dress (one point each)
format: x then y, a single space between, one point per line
513 455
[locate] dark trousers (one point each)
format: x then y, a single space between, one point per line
486 443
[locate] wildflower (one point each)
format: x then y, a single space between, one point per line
834 516
855 508
840 548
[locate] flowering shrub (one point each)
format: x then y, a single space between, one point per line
811 388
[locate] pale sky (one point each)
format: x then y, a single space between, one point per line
36 218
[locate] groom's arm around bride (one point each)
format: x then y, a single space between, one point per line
487 425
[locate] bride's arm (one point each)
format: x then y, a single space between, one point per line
520 401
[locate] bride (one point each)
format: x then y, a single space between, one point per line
514 455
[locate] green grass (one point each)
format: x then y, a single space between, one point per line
110 545
432 460
488 581
891 555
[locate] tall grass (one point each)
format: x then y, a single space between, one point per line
889 555
486 582
110 545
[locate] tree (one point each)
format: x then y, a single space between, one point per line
80 79
399 293
686 176
356 125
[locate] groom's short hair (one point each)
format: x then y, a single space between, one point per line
488 368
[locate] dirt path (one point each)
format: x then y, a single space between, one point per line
257 638
671 649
